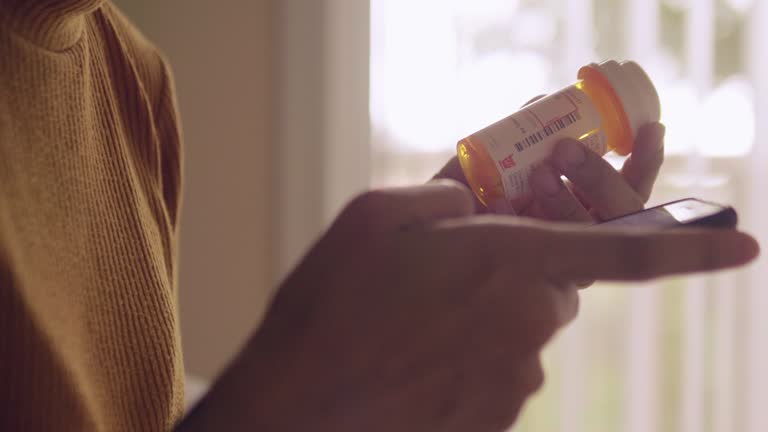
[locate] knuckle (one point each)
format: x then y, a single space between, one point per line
552 316
535 376
548 319
572 304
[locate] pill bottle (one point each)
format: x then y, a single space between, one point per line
604 109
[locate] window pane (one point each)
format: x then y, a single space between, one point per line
444 69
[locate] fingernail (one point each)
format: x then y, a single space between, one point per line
546 181
572 153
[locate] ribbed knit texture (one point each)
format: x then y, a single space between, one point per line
89 198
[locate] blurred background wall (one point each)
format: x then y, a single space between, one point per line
274 104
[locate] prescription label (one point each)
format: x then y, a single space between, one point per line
521 142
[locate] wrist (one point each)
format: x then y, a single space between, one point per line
265 387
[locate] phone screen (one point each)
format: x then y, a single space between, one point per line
669 215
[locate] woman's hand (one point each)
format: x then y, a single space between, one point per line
413 313
595 190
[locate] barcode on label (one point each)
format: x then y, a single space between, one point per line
551 128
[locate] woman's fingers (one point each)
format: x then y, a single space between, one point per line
603 188
553 197
642 167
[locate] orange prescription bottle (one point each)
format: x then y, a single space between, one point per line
604 109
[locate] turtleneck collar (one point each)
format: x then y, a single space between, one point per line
52 24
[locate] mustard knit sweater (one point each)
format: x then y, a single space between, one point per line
89 200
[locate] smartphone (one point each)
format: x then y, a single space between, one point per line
682 213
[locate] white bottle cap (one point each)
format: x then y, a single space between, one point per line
635 90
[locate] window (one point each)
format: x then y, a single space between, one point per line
675 355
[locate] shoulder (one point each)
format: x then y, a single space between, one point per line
147 59
152 69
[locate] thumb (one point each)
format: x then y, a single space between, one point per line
404 207
431 202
